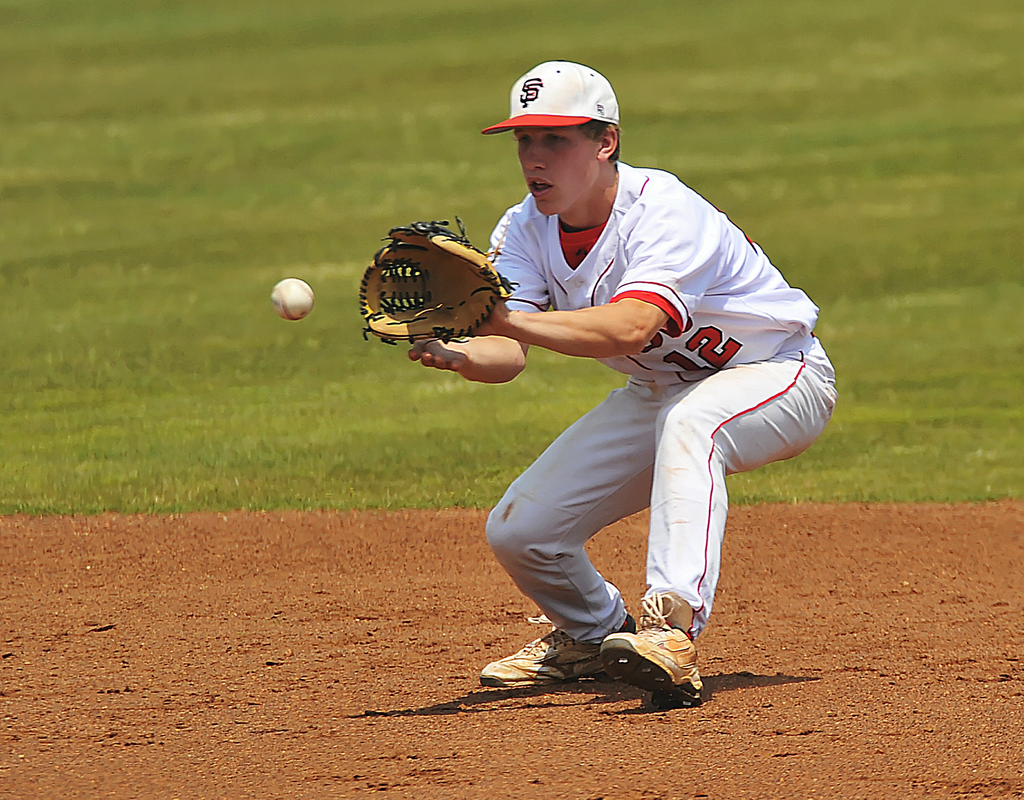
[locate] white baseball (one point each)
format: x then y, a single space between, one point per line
292 298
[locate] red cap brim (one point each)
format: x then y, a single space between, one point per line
536 121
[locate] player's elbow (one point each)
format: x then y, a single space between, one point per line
637 326
633 343
634 339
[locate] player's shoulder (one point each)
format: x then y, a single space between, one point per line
521 223
523 214
523 218
656 200
648 187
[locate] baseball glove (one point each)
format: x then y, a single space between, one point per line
428 282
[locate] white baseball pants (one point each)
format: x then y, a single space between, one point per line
666 447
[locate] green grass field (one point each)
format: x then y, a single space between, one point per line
162 164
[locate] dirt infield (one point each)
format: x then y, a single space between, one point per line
855 651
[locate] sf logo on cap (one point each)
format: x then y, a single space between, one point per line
531 91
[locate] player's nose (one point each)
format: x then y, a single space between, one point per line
531 156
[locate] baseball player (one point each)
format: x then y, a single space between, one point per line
631 267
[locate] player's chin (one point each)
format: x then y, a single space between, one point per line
545 198
546 205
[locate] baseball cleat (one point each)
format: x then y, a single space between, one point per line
554 658
659 657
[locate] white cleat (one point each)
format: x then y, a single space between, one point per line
659 657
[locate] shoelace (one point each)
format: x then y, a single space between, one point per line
554 638
653 612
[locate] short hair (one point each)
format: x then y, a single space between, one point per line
595 128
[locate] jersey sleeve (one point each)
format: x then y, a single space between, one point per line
515 250
673 254
674 326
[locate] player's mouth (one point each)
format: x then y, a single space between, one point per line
538 187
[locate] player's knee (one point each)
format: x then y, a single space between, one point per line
503 537
509 532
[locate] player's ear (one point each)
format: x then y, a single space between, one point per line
608 143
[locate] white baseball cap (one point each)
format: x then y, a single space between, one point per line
559 93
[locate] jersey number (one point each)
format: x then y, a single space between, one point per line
711 345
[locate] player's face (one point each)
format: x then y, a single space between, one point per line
562 171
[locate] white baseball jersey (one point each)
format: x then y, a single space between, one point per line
665 244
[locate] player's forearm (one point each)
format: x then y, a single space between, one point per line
492 359
482 359
620 329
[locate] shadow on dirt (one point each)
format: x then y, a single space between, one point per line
585 692
748 680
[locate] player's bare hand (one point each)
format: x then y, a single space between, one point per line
435 353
